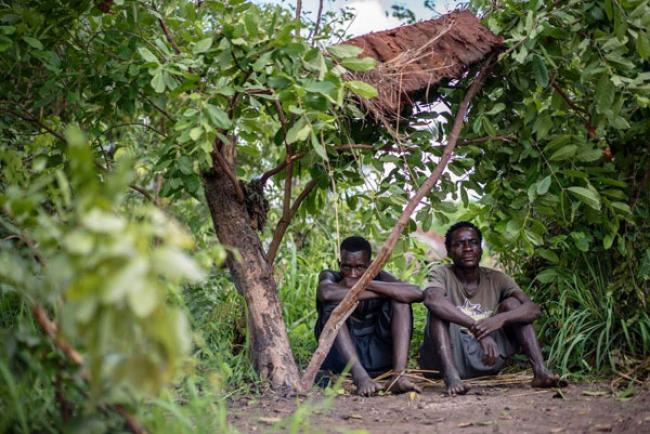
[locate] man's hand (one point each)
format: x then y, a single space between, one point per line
490 351
483 328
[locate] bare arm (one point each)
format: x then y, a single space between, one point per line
395 289
436 300
526 312
329 290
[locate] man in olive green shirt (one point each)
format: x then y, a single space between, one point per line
478 317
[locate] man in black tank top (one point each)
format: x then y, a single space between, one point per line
376 336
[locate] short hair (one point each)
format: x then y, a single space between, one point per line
459 225
356 244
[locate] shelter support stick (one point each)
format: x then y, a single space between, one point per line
350 301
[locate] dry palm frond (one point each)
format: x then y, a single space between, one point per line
414 59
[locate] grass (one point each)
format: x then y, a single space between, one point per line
586 330
586 327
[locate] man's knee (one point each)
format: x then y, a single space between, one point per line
432 297
400 308
510 303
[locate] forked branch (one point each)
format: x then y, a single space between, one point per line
283 224
348 304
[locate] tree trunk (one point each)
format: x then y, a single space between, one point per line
270 351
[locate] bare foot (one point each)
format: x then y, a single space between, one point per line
403 385
455 385
545 378
366 386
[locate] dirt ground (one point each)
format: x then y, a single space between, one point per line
510 407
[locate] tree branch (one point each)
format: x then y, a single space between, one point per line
283 224
340 148
29 118
319 15
578 110
158 109
168 35
50 328
509 139
151 198
349 303
298 15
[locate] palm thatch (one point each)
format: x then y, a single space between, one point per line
414 59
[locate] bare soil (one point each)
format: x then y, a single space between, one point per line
497 408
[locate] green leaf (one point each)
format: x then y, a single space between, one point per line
643 45
33 42
147 55
142 299
608 240
604 94
543 185
176 265
158 82
318 147
202 46
362 89
588 197
103 222
79 242
488 127
496 108
130 277
589 155
564 153
196 133
621 206
539 70
355 64
344 51
218 117
5 43
549 255
322 87
547 276
543 125
299 131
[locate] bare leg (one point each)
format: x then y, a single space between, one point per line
401 332
439 331
440 307
525 334
344 345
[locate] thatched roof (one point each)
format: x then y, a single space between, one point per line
413 59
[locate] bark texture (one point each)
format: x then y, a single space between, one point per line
270 352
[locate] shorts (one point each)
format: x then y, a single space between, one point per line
467 352
370 329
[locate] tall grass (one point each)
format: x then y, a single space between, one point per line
587 325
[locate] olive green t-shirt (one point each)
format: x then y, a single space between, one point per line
494 287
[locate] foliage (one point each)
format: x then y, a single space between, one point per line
110 115
560 141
